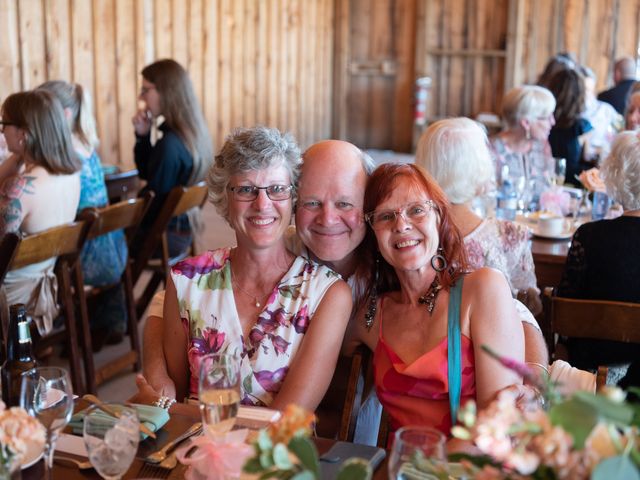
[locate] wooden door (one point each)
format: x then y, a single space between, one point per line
374 73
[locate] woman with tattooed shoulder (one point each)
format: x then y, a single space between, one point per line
39 189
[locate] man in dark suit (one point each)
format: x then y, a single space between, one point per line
624 74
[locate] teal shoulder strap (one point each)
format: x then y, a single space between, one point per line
454 350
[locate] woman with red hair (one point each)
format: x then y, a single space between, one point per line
427 317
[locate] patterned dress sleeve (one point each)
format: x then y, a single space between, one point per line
575 270
521 270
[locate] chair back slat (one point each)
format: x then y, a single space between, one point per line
126 214
8 249
617 321
594 319
193 197
54 242
179 200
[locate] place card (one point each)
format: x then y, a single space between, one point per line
73 444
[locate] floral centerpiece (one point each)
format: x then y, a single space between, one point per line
583 436
20 434
592 181
285 450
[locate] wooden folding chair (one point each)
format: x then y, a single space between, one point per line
595 319
125 215
179 201
64 242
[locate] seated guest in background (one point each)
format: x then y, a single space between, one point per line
568 137
252 185
624 75
39 189
426 299
454 151
103 258
183 154
560 61
632 115
603 262
604 119
522 145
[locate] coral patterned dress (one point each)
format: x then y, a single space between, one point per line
209 315
418 393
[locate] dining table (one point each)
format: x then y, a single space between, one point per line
549 258
176 425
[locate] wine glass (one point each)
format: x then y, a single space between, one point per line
111 442
46 395
416 451
219 392
560 171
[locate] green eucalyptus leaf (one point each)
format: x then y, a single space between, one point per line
355 469
607 409
616 468
304 475
281 457
264 441
305 450
576 418
266 459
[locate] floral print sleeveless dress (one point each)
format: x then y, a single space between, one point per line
209 315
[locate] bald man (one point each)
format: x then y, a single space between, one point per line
624 76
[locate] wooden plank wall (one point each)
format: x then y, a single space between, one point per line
463 45
251 61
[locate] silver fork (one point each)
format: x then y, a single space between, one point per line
160 455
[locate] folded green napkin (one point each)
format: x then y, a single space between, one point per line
153 417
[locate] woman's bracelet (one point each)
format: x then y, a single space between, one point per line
164 402
539 365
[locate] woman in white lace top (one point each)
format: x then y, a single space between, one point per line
455 151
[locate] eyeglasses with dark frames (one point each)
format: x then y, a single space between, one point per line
414 213
248 193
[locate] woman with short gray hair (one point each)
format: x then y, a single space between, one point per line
283 316
522 145
603 262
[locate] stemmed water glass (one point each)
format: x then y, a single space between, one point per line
560 171
46 395
416 449
111 442
219 392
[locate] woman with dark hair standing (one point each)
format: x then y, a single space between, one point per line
184 153
39 189
568 136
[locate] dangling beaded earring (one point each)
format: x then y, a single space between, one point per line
438 262
370 314
527 134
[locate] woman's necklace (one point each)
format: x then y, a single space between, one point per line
429 297
255 298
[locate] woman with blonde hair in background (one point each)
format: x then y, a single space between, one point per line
103 258
39 189
184 153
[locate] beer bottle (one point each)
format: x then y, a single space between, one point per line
20 356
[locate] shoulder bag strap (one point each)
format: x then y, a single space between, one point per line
454 349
